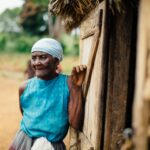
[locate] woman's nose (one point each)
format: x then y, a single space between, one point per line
37 62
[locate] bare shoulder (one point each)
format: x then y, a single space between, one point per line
22 87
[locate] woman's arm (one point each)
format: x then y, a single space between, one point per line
76 103
21 90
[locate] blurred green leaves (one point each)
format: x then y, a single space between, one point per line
41 2
34 18
21 27
16 42
70 44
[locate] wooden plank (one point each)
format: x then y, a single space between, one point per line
85 144
120 61
92 128
91 61
96 32
91 134
88 25
141 109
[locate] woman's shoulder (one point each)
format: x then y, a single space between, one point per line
23 86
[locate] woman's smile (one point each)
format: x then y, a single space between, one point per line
44 65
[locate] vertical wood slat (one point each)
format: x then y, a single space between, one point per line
120 38
95 95
93 53
141 109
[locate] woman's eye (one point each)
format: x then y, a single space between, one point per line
43 57
33 58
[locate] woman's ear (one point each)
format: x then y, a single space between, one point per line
57 61
59 68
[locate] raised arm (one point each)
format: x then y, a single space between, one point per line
76 107
21 90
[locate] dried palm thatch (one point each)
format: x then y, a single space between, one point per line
72 11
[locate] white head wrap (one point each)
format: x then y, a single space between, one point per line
50 46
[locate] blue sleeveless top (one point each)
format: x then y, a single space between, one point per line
45 108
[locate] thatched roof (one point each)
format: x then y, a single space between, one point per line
72 11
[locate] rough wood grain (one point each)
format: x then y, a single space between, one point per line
120 61
92 128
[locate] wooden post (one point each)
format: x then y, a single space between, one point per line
141 110
119 65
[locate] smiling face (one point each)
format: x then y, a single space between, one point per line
44 65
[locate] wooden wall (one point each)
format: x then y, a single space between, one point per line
93 54
108 48
120 79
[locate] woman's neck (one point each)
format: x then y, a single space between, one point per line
49 77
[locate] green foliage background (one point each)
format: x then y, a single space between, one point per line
13 37
22 43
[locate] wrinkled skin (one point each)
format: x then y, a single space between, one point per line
44 65
76 102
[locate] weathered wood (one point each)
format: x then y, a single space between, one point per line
120 41
90 137
85 143
74 142
91 60
141 110
98 132
92 128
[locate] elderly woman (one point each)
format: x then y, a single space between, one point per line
49 102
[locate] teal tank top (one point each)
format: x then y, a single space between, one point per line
45 108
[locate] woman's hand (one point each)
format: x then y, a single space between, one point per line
77 75
76 103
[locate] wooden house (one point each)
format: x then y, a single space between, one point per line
118 72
